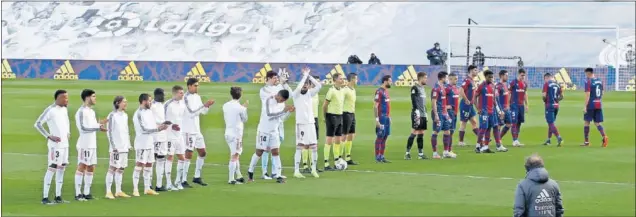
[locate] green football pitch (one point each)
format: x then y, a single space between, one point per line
594 181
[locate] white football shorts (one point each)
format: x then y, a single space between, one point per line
267 141
118 159
177 146
58 156
194 140
235 144
306 134
87 156
144 156
161 148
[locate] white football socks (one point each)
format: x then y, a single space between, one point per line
147 177
119 174
59 180
297 159
136 175
79 176
109 180
168 171
199 167
88 181
253 163
159 166
48 177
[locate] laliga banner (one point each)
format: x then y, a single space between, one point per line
571 78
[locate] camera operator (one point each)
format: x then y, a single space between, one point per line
435 55
354 59
374 60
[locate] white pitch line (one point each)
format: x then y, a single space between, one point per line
633 185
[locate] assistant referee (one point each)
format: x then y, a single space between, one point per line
349 116
333 109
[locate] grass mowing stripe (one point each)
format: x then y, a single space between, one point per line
633 185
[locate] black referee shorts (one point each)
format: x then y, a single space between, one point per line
317 128
348 123
333 124
422 122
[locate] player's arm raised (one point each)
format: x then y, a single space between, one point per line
300 85
317 86
43 118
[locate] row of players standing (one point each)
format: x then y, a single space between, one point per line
501 104
162 130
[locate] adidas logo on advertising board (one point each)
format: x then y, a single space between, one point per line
7 73
259 77
562 78
408 77
130 73
197 72
65 72
336 70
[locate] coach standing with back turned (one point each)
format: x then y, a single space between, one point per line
537 194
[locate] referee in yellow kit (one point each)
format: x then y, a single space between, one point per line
349 116
333 109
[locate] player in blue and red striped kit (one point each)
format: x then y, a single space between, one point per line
518 105
488 110
467 111
503 99
439 112
593 106
452 97
551 96
382 110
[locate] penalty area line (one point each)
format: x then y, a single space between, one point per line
633 185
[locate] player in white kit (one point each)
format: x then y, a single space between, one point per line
56 118
119 146
268 135
175 108
87 126
235 116
161 143
305 129
192 130
145 128
273 83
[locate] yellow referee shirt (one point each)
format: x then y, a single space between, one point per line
316 103
349 99
335 96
